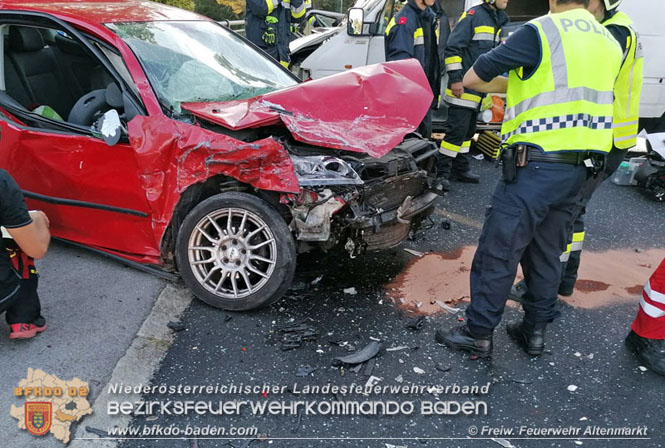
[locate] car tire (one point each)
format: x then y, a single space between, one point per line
235 252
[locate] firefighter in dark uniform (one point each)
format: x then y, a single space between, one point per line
476 33
557 131
411 33
268 25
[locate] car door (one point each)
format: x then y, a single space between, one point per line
90 191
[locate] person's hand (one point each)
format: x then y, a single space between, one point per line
38 215
457 88
269 36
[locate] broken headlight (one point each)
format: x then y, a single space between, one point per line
324 170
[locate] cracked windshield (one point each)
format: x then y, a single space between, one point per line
199 62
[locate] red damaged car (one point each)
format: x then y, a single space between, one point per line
157 136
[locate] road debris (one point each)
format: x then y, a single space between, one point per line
504 443
442 368
316 280
450 309
416 323
399 379
642 368
373 381
368 352
176 326
518 381
293 335
398 348
369 367
446 225
414 252
572 388
304 371
99 432
351 291
419 371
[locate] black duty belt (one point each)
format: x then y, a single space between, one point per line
571 158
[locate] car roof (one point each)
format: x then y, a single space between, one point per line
103 11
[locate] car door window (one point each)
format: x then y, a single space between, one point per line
53 81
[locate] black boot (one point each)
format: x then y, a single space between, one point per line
650 351
530 339
467 176
460 338
517 291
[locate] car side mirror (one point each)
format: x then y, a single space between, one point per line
355 22
110 127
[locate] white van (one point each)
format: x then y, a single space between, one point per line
337 49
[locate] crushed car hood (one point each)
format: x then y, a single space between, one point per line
369 109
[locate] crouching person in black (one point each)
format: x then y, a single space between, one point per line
27 238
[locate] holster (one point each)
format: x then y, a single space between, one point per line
21 262
508 165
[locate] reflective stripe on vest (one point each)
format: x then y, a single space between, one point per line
567 103
628 88
578 242
418 37
465 147
468 100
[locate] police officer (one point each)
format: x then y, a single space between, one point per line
411 33
559 105
268 25
627 95
476 33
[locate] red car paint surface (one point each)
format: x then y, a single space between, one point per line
369 109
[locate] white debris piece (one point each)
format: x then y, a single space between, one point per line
642 368
504 443
373 381
578 354
579 442
352 291
479 157
390 445
572 388
400 379
590 356
413 252
320 351
394 349
317 280
450 309
419 371
583 419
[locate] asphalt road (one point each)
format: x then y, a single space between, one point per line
585 349
94 308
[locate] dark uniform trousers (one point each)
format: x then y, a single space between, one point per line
527 221
570 267
460 127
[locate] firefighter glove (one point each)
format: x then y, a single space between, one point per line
269 36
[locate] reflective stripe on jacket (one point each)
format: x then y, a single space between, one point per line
567 103
476 33
628 88
411 33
